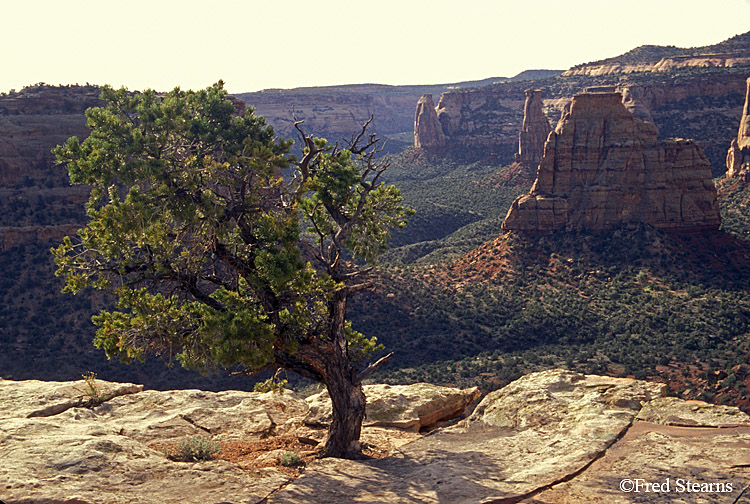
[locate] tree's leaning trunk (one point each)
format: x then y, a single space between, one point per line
344 388
348 403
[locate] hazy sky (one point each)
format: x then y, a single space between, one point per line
254 45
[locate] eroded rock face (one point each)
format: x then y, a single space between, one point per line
603 168
428 133
534 131
727 60
738 157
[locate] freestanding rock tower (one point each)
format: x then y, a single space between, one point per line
428 133
738 157
534 131
603 168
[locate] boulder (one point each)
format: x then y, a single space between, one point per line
603 168
410 407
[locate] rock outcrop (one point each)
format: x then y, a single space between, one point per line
738 157
603 168
410 407
483 123
551 437
727 60
428 133
96 441
534 131
476 123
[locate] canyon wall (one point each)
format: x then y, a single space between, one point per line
483 123
37 203
603 168
727 60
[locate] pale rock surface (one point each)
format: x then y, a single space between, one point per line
672 458
409 407
56 451
603 168
523 442
677 412
727 60
35 398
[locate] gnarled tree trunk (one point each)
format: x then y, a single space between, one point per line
344 388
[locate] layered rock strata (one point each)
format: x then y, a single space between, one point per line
428 133
726 60
603 168
534 131
738 157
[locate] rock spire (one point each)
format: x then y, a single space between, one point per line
603 168
534 131
428 133
738 157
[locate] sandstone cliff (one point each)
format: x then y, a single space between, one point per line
483 123
603 168
534 131
663 65
738 157
428 133
479 122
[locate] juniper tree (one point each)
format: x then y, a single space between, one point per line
225 250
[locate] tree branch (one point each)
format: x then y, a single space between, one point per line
374 367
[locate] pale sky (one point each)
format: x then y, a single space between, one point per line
255 45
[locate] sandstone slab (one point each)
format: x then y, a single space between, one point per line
412 407
534 434
687 465
53 450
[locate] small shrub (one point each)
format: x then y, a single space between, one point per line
289 459
194 449
271 385
92 394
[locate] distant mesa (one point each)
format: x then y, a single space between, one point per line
603 168
728 60
738 157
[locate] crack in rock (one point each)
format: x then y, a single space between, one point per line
568 477
84 401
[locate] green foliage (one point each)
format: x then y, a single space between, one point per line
193 449
195 230
290 459
273 384
91 389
